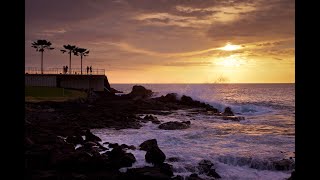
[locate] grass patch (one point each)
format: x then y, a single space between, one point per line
38 94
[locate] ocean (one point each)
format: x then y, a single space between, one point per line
239 150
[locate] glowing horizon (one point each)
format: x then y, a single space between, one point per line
169 41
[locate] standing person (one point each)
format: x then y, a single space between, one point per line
66 69
87 69
90 69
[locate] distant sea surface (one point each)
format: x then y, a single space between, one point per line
239 150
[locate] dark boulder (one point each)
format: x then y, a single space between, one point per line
293 176
119 158
91 137
113 145
112 90
151 118
171 97
284 164
204 166
173 125
213 173
194 176
211 108
89 145
165 168
159 172
124 146
187 100
154 154
228 112
178 177
77 139
140 91
148 144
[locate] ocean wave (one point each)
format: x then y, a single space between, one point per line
255 163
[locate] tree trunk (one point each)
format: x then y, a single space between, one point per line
41 62
70 63
81 64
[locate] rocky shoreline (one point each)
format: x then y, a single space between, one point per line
59 144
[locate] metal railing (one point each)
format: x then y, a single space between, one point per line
74 71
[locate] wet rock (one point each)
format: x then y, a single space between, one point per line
194 176
112 90
178 177
113 145
148 173
187 100
204 166
151 118
148 144
233 118
171 97
120 158
89 146
173 125
101 147
228 112
165 168
91 137
284 164
132 147
124 146
75 139
293 175
213 173
140 91
154 154
211 109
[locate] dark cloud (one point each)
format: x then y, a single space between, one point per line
272 19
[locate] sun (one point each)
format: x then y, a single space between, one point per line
230 47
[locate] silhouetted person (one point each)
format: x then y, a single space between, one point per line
87 69
90 69
66 69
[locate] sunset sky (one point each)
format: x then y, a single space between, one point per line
169 41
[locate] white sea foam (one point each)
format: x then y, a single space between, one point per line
224 143
239 150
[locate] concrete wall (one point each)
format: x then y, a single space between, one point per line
43 80
66 81
82 82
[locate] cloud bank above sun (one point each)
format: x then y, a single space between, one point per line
144 41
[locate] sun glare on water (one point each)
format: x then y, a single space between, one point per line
230 47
